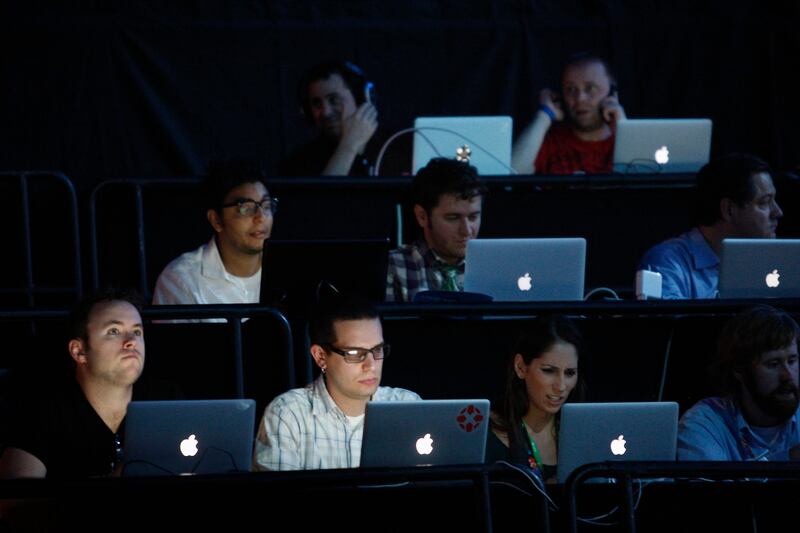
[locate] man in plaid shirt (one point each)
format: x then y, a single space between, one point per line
321 426
448 197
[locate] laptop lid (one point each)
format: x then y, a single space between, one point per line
759 268
662 145
188 437
631 431
295 268
485 141
424 433
522 270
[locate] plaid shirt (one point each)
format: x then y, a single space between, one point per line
304 429
415 268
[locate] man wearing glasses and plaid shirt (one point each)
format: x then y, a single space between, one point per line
320 426
227 270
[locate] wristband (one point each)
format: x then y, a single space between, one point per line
547 111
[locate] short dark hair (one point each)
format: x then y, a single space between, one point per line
225 175
335 308
745 338
585 57
445 176
730 176
353 77
79 316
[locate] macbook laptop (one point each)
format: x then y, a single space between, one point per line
632 431
759 268
188 437
485 142
521 270
294 269
662 145
425 433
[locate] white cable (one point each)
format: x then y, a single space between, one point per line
601 289
377 168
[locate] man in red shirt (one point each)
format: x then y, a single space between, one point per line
573 132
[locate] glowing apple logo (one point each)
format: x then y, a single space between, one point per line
524 282
425 445
662 155
189 446
618 446
772 279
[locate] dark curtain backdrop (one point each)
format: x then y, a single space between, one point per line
144 89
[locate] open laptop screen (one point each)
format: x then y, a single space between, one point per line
662 145
188 437
628 431
425 432
523 270
484 141
759 268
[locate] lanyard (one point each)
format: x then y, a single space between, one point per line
534 459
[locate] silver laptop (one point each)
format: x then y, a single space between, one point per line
759 268
520 270
662 145
485 142
188 437
632 431
425 433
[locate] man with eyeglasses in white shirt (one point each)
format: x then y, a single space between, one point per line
321 425
226 270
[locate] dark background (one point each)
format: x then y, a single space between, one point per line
139 89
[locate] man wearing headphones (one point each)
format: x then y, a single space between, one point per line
573 132
336 97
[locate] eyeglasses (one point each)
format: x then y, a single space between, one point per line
246 207
358 355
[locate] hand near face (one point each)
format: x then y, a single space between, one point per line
358 128
612 110
550 99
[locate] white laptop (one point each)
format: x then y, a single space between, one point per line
425 433
520 270
485 142
662 145
631 431
188 437
760 268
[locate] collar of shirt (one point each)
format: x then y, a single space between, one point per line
211 265
321 401
432 259
749 439
702 254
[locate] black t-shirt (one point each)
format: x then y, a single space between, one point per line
311 158
61 428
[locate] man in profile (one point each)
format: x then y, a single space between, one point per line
447 196
74 427
734 198
574 131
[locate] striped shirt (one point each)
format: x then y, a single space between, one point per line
304 429
415 268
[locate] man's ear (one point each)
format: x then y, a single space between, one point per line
318 354
77 351
214 219
421 215
726 206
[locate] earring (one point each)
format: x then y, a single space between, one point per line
322 368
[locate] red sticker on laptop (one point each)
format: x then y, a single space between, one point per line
469 418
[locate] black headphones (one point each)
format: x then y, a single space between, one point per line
355 79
